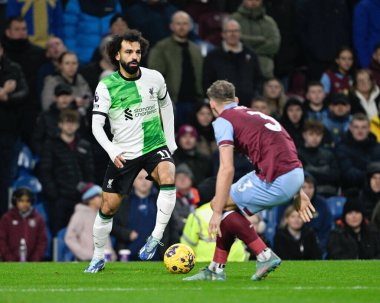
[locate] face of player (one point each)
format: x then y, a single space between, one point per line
129 57
181 25
354 219
345 60
340 109
17 30
204 116
272 89
183 183
187 141
312 139
363 83
141 185
231 33
69 128
294 113
23 203
309 189
55 48
63 101
251 4
69 65
294 221
316 94
119 27
375 182
359 129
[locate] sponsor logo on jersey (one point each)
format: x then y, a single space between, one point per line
140 112
128 114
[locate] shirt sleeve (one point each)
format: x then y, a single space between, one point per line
224 132
102 100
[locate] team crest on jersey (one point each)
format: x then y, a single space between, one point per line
151 93
96 97
110 181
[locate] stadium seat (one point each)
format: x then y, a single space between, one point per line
336 204
61 252
39 207
270 217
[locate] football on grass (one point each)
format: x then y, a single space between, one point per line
179 259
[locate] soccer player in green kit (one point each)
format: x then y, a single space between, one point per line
136 101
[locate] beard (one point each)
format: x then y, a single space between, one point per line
130 69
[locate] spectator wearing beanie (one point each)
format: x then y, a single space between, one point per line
79 231
199 164
354 238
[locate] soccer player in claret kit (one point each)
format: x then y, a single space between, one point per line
276 179
133 99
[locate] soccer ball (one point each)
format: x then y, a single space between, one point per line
179 259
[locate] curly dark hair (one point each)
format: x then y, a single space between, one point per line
131 35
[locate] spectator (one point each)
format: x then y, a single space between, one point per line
319 162
47 122
54 49
186 202
273 91
338 79
187 152
234 62
315 107
338 119
44 18
323 220
13 92
259 32
136 217
260 104
366 30
22 222
355 152
323 27
80 34
202 121
365 97
152 18
354 238
293 120
30 57
374 65
66 161
369 196
295 241
68 73
180 62
78 235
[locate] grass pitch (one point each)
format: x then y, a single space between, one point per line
318 281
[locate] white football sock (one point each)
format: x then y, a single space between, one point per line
216 267
165 205
264 255
100 232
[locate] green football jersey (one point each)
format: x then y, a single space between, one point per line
133 108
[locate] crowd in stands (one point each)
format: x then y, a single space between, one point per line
312 65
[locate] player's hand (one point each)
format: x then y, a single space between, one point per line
214 225
303 206
9 86
119 161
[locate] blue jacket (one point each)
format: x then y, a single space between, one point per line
366 29
85 23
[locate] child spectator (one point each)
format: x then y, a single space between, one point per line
78 236
339 78
354 238
19 224
315 107
318 161
274 93
338 119
260 104
293 120
369 196
294 241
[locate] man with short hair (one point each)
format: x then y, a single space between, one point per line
136 101
277 178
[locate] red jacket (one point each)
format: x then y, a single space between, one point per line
13 228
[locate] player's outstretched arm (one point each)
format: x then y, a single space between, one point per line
303 206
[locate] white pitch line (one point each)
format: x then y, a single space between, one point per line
132 289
